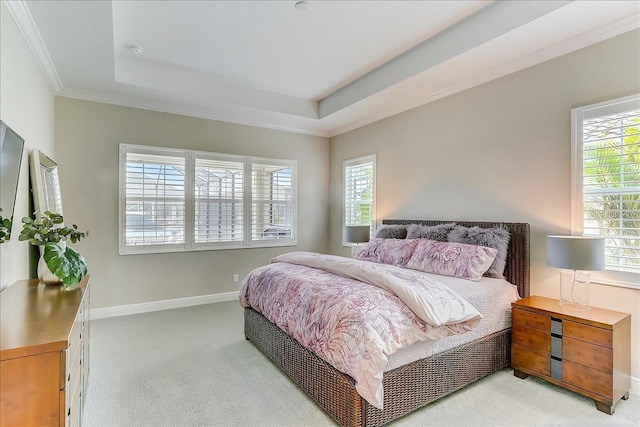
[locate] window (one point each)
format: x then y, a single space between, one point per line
606 190
177 200
359 192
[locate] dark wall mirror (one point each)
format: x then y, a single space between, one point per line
11 147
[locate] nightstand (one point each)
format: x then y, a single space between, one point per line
588 352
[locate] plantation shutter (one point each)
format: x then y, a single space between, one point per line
359 191
610 141
219 193
181 200
273 191
154 196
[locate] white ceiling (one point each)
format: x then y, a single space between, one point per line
338 66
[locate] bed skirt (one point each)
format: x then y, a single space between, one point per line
406 388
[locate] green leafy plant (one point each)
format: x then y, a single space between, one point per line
48 230
5 228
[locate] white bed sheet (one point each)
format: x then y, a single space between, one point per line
491 297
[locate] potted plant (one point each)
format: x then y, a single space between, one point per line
5 228
58 262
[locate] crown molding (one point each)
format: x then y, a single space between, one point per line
21 15
239 119
24 20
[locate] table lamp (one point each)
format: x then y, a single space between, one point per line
579 255
356 234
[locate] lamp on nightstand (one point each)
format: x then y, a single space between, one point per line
356 234
577 254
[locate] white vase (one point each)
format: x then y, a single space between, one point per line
45 275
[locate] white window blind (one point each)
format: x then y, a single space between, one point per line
272 189
154 199
219 200
359 191
180 200
607 174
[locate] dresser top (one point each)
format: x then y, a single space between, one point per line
595 316
35 318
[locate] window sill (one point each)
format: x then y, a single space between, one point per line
617 278
181 249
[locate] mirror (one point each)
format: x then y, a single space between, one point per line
11 145
45 183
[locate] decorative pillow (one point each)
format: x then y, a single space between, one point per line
452 259
432 232
388 251
392 232
495 237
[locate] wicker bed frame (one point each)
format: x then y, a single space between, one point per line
408 387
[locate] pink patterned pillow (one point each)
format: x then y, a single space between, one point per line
388 251
452 259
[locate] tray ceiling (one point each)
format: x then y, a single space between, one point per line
324 71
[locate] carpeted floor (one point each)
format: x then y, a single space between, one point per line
193 367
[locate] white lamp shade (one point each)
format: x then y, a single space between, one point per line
357 233
575 252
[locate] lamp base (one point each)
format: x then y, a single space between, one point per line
356 248
574 289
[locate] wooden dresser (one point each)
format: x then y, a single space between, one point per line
588 352
44 354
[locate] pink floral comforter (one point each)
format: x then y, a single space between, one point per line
328 304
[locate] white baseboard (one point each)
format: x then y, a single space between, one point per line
146 307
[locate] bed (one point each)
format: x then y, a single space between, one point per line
407 387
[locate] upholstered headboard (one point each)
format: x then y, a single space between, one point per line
517 268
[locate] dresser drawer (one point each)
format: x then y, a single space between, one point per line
74 396
75 336
532 359
74 372
530 319
587 333
531 337
587 378
584 353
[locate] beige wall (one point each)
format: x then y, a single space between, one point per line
500 151
27 106
87 138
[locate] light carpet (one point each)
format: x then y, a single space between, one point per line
193 367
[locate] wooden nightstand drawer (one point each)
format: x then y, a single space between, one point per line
532 320
531 359
594 356
589 352
586 378
531 338
587 333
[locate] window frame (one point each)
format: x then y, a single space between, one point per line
190 244
369 158
578 115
